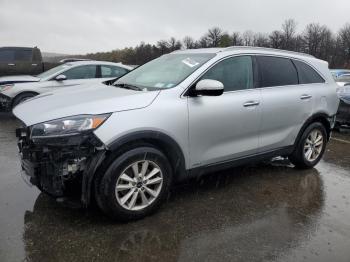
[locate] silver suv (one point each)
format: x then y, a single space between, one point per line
184 114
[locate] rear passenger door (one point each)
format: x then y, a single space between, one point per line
225 127
285 104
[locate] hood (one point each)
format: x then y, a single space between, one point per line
18 79
85 99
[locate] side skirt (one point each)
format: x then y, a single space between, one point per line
202 170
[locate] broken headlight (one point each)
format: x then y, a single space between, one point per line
5 87
68 126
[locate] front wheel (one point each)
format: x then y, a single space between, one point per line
21 98
311 147
135 184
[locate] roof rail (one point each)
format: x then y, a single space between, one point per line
70 60
266 49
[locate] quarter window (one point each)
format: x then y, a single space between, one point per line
81 72
112 71
236 73
276 71
307 75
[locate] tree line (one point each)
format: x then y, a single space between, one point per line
316 39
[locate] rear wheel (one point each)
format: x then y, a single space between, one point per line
310 147
135 184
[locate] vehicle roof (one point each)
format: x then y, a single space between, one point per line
18 47
94 62
340 70
248 49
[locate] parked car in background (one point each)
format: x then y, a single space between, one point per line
184 114
339 72
65 75
343 115
22 61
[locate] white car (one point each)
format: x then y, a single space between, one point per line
65 75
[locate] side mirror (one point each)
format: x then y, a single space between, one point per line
60 78
209 87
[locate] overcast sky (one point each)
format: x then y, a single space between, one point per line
81 26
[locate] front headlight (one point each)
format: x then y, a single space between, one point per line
5 87
68 126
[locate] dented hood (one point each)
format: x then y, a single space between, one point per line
85 99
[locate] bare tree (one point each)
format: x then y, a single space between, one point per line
163 46
202 42
261 40
188 42
174 44
236 39
288 31
344 43
214 36
248 38
276 39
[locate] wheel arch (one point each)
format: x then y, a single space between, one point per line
163 142
22 94
321 117
167 145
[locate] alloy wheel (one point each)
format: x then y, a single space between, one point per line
139 185
313 145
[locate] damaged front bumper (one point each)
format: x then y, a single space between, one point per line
61 166
5 103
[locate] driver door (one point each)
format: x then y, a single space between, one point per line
226 127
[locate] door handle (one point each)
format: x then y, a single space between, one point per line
34 64
11 64
251 103
304 97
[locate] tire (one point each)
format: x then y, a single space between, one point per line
122 204
302 157
21 98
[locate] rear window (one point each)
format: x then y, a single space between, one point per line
307 75
112 71
12 55
276 71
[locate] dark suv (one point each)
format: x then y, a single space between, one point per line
20 61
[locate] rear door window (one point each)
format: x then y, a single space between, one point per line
307 75
276 71
81 72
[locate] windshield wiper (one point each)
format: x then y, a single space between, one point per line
128 86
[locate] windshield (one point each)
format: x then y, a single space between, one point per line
51 72
164 72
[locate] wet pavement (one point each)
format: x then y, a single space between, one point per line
264 212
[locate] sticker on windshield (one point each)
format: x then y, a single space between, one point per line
159 85
190 62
